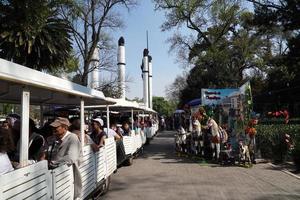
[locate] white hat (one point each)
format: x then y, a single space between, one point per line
99 120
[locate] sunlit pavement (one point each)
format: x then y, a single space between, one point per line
159 174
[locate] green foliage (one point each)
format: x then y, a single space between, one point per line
111 89
90 24
225 45
32 34
280 22
229 44
271 140
296 152
6 108
163 107
270 121
70 67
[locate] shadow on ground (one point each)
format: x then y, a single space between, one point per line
155 175
162 148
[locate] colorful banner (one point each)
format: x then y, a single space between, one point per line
246 99
216 96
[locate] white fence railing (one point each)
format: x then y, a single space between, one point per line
111 156
88 171
63 182
37 182
100 165
128 145
31 182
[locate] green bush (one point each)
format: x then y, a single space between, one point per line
271 140
296 151
278 121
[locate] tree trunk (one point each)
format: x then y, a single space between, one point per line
84 79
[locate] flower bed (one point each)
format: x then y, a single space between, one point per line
274 144
278 121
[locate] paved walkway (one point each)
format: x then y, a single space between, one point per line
160 174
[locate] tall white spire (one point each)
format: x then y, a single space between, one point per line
93 76
145 69
121 66
150 82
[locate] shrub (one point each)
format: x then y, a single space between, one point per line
296 151
271 140
278 121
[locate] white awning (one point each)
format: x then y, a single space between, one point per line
44 88
122 105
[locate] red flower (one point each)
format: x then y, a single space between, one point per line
247 130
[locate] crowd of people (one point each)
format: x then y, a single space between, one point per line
58 142
202 136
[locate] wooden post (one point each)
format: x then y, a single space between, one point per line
41 115
24 139
107 117
82 122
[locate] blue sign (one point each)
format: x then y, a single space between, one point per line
215 96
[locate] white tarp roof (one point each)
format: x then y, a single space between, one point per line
149 110
44 88
122 105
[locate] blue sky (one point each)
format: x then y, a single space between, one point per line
165 69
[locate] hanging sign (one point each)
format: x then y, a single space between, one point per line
216 96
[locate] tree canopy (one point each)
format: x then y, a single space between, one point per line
229 44
223 45
91 22
61 36
32 34
281 23
163 106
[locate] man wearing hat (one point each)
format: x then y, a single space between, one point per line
98 135
65 149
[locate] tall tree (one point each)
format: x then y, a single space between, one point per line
223 45
280 20
32 34
89 21
163 106
173 90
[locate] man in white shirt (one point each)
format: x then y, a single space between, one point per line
112 133
66 149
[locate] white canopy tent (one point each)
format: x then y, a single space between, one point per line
19 84
123 106
120 105
45 88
